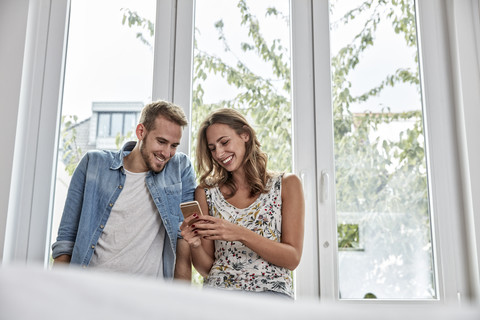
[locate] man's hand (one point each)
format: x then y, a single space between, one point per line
63 259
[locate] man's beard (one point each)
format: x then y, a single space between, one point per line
146 159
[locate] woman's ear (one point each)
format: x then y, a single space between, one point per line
246 134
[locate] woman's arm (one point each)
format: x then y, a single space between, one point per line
201 250
286 253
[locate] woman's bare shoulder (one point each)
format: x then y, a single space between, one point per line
291 179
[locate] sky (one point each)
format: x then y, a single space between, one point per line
105 61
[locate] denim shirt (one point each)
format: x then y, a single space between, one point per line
96 185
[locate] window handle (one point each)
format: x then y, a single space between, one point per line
302 178
324 186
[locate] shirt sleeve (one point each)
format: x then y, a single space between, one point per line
188 182
188 188
67 231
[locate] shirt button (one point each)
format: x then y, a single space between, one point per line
102 226
120 187
84 266
93 247
111 204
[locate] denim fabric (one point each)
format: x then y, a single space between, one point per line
96 185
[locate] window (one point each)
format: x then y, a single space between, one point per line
242 61
380 154
108 78
314 156
113 124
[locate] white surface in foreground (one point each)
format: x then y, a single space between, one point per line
34 293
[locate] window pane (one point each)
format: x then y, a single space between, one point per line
242 61
103 125
384 226
109 70
117 124
129 123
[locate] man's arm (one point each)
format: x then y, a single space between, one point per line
67 232
183 265
188 182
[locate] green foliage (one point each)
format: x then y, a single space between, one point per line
266 101
121 139
364 165
197 279
379 181
133 20
71 152
348 236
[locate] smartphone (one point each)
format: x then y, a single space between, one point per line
189 208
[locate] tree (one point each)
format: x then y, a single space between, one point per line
380 181
72 153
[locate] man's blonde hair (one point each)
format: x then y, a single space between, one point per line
163 108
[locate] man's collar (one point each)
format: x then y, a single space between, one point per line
117 161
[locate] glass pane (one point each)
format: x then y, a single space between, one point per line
117 124
384 225
242 61
129 123
109 69
103 125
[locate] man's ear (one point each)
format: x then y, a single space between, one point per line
141 132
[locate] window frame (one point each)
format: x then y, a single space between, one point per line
32 186
31 189
442 162
110 114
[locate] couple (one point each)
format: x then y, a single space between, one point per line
122 209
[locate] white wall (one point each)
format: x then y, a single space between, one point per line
13 25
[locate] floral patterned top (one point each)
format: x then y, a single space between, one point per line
237 267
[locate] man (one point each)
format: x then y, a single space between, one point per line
122 208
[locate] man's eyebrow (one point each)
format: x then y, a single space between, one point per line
162 139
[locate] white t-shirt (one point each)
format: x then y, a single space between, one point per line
133 237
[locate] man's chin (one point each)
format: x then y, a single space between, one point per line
157 169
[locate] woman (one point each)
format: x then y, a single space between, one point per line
252 236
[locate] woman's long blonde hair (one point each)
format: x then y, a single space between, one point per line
255 161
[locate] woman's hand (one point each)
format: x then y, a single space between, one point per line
211 228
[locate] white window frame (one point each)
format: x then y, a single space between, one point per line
451 262
32 186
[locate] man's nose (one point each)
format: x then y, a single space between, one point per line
165 151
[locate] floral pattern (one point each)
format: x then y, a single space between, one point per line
236 266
